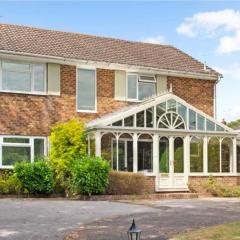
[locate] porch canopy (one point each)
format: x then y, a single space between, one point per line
164 136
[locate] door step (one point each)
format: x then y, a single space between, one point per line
175 195
173 190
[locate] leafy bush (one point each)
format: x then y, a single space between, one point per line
35 178
90 176
221 189
125 183
68 144
10 185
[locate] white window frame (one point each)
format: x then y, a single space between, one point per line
86 68
33 92
30 144
137 87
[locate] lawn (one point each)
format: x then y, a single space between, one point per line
229 231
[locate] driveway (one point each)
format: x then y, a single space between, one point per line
37 219
26 219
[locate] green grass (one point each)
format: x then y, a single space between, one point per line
229 231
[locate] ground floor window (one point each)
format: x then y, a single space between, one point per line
15 149
178 155
226 155
145 156
196 155
213 155
164 155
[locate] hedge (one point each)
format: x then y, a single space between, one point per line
125 183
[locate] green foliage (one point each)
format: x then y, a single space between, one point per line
68 144
221 189
125 183
35 178
10 185
234 124
90 176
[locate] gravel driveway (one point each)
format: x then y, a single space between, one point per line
41 219
38 219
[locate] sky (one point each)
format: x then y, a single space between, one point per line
207 30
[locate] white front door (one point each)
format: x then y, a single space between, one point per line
171 164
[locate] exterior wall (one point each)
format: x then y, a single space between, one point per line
149 184
197 92
26 114
198 183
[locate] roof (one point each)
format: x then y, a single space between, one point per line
29 40
110 118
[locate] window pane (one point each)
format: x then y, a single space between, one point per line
15 67
238 158
196 155
182 111
210 126
219 128
146 90
213 155
16 81
178 155
121 156
128 122
86 89
192 120
132 86
200 122
226 154
149 117
15 140
39 80
12 155
160 109
38 148
118 123
145 156
164 155
140 119
171 105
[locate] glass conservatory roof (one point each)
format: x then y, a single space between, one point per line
162 112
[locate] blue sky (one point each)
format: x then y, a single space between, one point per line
209 31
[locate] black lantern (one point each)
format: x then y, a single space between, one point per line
133 232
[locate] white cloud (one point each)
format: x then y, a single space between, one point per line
231 113
225 23
231 71
157 40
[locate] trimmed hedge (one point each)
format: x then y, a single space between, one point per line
35 178
125 183
90 176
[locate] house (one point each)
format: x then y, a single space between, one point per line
148 108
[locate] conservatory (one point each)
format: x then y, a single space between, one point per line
166 138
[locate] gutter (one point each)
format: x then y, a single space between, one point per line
106 65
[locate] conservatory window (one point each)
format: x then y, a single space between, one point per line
140 119
118 123
145 158
196 154
200 122
128 122
226 154
210 125
192 120
178 155
164 155
140 87
182 111
171 105
160 109
20 149
149 117
213 155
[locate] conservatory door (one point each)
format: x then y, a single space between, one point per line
171 164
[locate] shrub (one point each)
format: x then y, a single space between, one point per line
90 176
35 178
68 144
125 183
10 185
221 189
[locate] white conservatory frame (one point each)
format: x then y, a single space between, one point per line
172 181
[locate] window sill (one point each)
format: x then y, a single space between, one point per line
24 93
6 167
86 111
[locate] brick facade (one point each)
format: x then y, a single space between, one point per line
197 92
26 114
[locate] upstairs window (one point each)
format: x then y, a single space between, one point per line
140 87
86 90
22 77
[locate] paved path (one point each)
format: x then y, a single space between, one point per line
169 218
50 219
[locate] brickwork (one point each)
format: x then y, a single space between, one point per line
197 92
149 184
198 183
25 114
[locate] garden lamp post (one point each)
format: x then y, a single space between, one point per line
134 232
